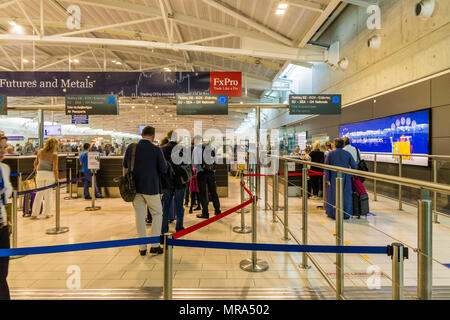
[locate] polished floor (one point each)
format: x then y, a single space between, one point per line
204 269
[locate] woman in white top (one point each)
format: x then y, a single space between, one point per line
46 167
5 193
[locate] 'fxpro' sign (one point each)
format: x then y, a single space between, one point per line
229 83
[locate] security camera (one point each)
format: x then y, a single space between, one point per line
343 64
424 8
374 42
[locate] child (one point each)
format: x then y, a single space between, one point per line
193 189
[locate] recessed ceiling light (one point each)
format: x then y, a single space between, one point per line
12 23
25 60
118 62
282 5
76 60
132 107
280 12
113 61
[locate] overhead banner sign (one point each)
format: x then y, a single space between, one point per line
122 84
202 104
80 119
229 83
92 105
315 104
3 105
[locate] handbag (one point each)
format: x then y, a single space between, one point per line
28 183
127 185
362 165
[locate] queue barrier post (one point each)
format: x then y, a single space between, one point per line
339 212
253 264
168 267
435 214
375 180
425 250
93 207
274 194
305 216
58 229
243 228
14 223
398 253
400 170
286 202
266 190
69 186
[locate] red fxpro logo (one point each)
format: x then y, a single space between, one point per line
229 83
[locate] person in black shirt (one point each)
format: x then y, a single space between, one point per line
316 181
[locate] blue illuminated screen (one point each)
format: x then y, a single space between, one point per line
405 133
52 130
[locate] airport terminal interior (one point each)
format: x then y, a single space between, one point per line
330 176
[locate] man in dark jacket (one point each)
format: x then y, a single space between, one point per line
172 186
149 166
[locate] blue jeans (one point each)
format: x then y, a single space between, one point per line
167 197
87 185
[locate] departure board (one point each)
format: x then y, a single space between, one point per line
189 104
3 105
314 104
92 105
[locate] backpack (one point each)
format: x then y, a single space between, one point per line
362 165
183 173
205 166
127 185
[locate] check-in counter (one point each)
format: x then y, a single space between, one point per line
111 167
25 165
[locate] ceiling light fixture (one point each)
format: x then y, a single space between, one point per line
25 60
279 11
118 62
282 5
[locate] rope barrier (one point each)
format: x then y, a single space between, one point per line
193 243
28 173
210 220
247 190
50 186
310 173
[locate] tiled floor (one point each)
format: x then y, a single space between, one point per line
213 268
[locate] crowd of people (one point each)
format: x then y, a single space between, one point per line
341 154
164 184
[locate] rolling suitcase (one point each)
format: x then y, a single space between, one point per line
360 204
27 207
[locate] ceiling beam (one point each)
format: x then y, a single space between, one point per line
106 27
9 58
27 17
314 6
7 4
179 18
318 23
254 24
293 54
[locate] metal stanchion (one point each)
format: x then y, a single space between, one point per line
425 250
398 255
243 228
305 216
69 186
253 264
168 272
266 190
274 195
400 166
14 224
19 188
58 229
435 214
339 235
93 207
286 202
374 180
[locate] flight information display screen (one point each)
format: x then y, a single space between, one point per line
407 133
52 130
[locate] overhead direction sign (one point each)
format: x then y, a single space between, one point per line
315 104
3 105
92 105
80 119
188 104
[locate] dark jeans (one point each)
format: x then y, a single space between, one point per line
316 184
186 195
208 179
168 194
88 184
4 264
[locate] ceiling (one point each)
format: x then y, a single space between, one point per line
150 35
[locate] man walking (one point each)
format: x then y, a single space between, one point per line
149 165
204 157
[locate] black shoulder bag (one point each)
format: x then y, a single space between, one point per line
127 185
362 165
